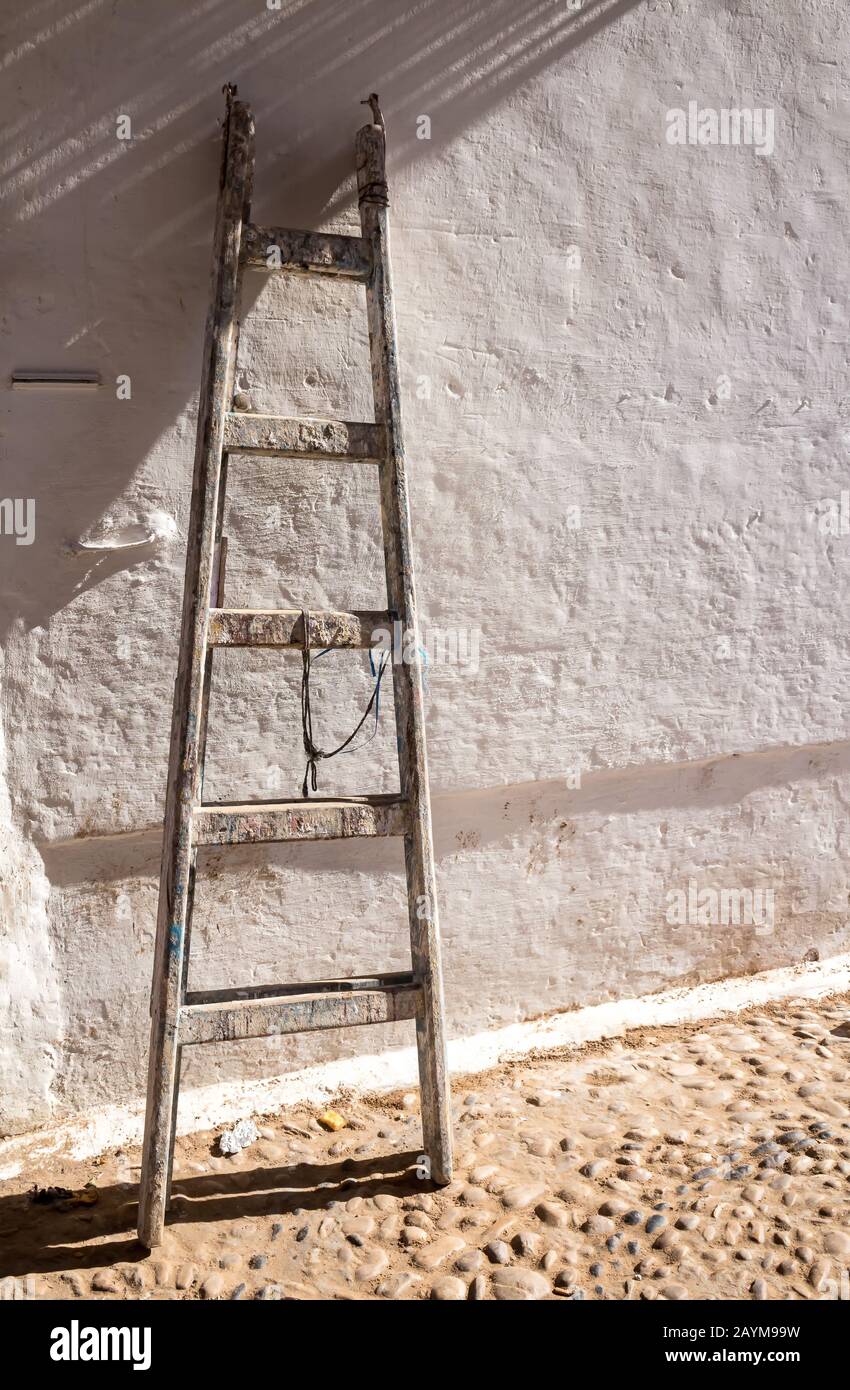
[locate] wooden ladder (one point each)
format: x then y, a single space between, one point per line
180 1016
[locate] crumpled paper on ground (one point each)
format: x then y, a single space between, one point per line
239 1137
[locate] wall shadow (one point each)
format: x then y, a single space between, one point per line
106 242
489 815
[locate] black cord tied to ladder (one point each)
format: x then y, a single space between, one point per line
375 192
314 754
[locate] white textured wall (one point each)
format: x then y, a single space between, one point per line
684 386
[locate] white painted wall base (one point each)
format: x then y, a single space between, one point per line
207 1107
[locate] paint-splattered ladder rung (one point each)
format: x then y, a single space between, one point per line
308 253
304 437
280 628
263 822
297 1009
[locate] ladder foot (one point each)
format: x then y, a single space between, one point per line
441 1172
150 1230
152 1207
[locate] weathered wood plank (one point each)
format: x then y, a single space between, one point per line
338 441
407 681
284 627
278 822
295 1013
188 722
308 253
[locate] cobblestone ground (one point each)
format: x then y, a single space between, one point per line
709 1161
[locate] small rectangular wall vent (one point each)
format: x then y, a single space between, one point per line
55 381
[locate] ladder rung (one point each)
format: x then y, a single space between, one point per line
342 441
299 1009
284 627
385 979
308 253
316 819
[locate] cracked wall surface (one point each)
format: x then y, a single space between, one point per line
624 369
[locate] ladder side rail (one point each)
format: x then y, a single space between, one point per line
407 672
190 694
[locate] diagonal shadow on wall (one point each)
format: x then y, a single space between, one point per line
106 247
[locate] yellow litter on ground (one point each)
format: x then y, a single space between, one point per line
331 1119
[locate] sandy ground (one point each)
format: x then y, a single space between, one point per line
703 1162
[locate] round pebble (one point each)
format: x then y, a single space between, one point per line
519 1284
448 1289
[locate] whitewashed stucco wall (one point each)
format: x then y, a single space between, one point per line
589 318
